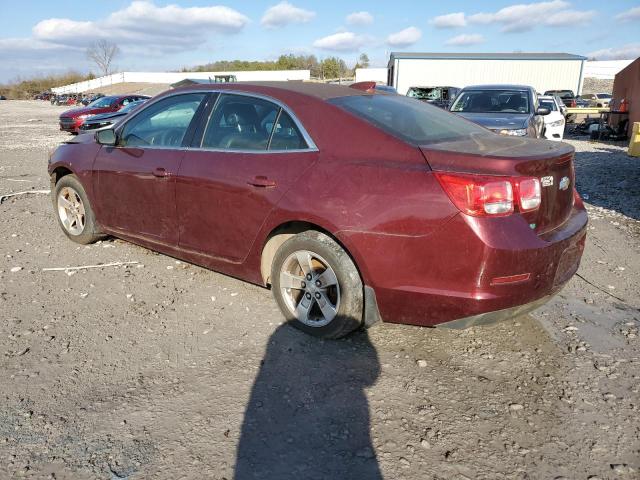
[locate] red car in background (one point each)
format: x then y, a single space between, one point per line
354 206
71 120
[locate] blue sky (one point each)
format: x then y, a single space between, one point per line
44 36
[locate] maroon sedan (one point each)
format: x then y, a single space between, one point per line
71 120
354 206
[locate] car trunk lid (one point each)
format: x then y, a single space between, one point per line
551 162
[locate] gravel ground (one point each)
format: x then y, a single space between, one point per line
162 369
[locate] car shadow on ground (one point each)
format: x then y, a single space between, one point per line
612 184
308 415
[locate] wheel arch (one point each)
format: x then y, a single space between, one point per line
58 172
281 233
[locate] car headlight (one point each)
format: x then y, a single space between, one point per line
82 117
517 132
557 123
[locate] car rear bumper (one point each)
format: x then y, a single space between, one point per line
452 275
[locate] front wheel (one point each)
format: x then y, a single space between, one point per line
317 286
74 212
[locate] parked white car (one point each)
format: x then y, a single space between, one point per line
599 100
554 122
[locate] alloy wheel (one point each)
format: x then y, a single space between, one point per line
310 288
71 211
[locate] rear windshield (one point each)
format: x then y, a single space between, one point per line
550 104
492 101
103 102
560 93
411 120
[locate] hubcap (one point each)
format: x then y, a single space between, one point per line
71 211
310 288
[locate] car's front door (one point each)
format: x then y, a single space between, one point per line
250 153
134 182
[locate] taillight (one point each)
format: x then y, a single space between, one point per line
529 194
491 196
478 196
574 104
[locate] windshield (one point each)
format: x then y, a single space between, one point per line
424 93
492 101
131 106
604 95
103 102
561 93
414 122
550 104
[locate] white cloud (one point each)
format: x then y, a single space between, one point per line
465 40
285 13
569 18
360 18
172 27
524 17
625 52
405 37
341 42
451 20
629 15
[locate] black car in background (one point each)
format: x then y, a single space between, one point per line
103 120
438 96
505 109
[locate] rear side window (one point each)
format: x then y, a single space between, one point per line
286 135
411 120
240 123
163 124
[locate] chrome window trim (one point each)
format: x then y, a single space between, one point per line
311 145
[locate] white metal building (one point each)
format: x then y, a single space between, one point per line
543 71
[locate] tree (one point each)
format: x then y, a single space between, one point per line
333 67
102 53
363 61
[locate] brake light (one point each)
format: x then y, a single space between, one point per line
574 104
480 196
529 194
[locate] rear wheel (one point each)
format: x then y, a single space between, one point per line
317 286
74 212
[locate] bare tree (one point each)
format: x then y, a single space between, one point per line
102 53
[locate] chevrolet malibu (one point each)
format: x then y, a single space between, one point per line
353 206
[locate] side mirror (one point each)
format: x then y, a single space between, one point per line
543 111
106 137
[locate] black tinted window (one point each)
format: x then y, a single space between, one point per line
411 120
162 124
240 123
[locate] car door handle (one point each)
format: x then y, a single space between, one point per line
262 182
160 172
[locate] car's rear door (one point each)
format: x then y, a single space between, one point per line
250 152
135 181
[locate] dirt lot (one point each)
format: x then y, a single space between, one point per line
162 369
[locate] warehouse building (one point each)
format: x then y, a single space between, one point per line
543 71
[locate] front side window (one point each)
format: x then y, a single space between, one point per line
240 122
162 124
415 122
492 101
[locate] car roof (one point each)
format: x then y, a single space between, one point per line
505 86
432 86
322 91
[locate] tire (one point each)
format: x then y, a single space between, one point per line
300 297
74 212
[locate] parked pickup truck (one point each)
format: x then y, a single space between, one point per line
567 97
